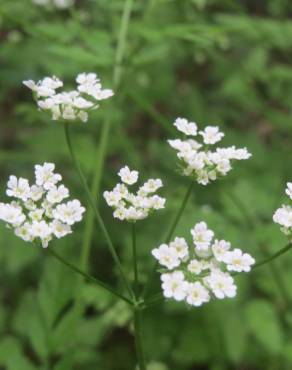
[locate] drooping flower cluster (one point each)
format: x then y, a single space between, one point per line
59 4
71 105
197 159
129 206
39 211
196 274
283 215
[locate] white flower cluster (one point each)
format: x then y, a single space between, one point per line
201 271
132 207
197 160
39 212
71 105
59 4
283 215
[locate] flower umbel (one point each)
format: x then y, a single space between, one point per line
72 105
134 206
38 212
196 274
196 158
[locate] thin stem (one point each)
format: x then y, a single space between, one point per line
179 214
273 256
138 339
89 225
95 210
169 235
122 41
86 276
102 147
135 260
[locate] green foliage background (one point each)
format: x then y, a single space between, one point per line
213 61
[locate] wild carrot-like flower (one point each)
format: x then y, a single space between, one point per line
283 215
72 105
39 212
134 206
196 157
196 274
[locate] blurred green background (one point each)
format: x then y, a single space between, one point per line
212 61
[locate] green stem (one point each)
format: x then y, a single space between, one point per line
170 234
102 147
89 225
86 276
274 256
135 260
122 41
95 210
138 339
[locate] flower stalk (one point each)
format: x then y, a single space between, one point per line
96 212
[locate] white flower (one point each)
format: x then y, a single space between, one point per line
220 248
181 247
127 176
283 216
40 229
289 189
196 267
197 294
166 256
12 214
120 213
36 192
45 176
156 202
112 198
23 232
151 186
221 284
18 188
57 194
70 212
202 236
238 261
211 135
188 128
60 229
174 285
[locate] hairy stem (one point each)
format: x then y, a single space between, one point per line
170 234
96 211
138 339
88 277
